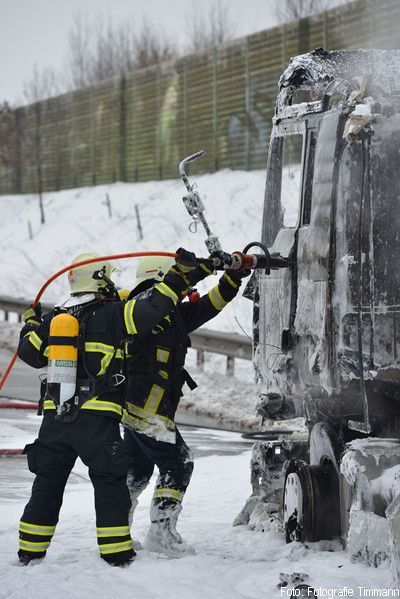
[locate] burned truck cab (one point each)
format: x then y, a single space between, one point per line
326 328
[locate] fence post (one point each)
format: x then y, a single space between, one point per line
92 134
215 105
113 132
200 359
108 204
247 100
135 126
139 224
185 106
230 365
72 139
158 116
122 128
18 133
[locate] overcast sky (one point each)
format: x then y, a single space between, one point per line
36 31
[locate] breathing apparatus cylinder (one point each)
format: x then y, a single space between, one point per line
63 359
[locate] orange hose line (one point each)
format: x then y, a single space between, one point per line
66 269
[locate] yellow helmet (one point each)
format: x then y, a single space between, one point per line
153 267
81 279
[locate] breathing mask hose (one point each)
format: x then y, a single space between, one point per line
66 269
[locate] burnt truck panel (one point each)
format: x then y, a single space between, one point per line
326 319
327 327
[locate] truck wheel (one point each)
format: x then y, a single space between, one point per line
326 445
311 509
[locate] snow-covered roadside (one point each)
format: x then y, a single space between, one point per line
77 220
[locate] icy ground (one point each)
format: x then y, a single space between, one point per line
231 563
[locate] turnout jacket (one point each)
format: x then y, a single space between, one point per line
108 325
156 371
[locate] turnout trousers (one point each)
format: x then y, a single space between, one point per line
175 465
96 440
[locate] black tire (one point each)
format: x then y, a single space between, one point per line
311 507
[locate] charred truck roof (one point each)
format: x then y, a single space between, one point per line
327 329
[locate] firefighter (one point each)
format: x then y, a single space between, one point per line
156 375
88 425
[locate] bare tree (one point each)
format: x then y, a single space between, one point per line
288 10
208 28
78 58
151 47
42 85
102 49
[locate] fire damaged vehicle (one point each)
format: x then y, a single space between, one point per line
327 324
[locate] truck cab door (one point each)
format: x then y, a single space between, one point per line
277 290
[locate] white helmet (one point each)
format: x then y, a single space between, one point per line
81 279
153 267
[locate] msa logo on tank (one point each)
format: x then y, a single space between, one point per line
63 359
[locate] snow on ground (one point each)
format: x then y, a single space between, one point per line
231 563
77 220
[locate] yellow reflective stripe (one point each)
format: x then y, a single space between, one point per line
146 427
162 355
35 340
102 406
29 546
128 317
48 404
36 529
168 493
105 363
154 398
231 281
115 547
167 291
100 347
107 350
163 373
206 269
112 531
216 298
148 418
46 352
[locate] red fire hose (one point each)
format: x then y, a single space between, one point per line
66 269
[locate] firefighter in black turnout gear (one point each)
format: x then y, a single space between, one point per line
156 375
88 425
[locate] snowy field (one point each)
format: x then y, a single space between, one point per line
77 221
231 563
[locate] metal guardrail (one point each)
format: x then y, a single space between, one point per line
203 340
12 305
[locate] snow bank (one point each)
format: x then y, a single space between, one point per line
77 220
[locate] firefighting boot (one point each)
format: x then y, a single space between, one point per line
28 557
162 536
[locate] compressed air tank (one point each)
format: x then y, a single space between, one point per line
63 359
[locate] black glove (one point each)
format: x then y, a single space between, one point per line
177 275
204 268
33 315
238 274
185 261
